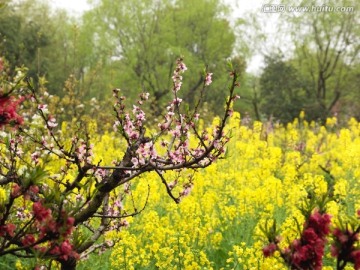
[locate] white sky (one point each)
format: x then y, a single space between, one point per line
73 6
240 7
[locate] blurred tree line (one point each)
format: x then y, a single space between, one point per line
132 45
311 61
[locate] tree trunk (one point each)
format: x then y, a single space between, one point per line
69 264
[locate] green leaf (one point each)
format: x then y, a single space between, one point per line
33 176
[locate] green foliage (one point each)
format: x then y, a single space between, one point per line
7 262
283 90
54 47
96 261
21 38
322 45
326 52
139 41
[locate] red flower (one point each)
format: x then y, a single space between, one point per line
8 107
8 229
64 251
341 236
51 226
69 225
66 247
40 212
355 255
320 223
28 240
334 251
269 250
16 191
308 251
310 236
70 221
55 251
67 250
34 189
343 247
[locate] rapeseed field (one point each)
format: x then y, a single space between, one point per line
266 173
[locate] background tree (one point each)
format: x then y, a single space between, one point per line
327 47
139 40
321 45
54 47
284 92
22 38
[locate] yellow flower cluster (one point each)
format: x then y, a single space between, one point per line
267 174
3 197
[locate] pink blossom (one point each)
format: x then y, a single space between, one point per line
124 223
100 173
79 197
217 144
81 151
52 122
309 249
20 213
320 223
176 132
115 126
177 86
198 152
177 101
230 112
35 157
144 96
172 184
187 189
177 77
208 80
164 126
43 140
176 156
182 66
119 204
43 107
135 161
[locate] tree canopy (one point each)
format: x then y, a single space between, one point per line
142 38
